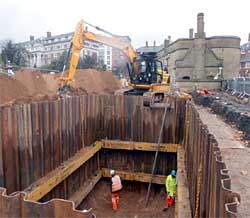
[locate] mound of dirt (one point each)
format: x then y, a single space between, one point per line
29 85
96 82
51 81
87 81
33 81
11 89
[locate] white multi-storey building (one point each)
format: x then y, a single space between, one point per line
46 49
105 56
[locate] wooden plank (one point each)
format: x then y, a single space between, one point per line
140 146
85 189
139 177
182 208
44 185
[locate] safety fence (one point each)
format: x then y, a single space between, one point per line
239 86
37 138
208 179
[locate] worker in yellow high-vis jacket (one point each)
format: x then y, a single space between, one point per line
171 184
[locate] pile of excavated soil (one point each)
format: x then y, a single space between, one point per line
132 202
96 82
33 85
33 81
90 81
11 89
51 81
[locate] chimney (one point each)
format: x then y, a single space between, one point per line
86 29
249 37
154 43
166 43
200 26
147 44
48 34
191 33
32 38
169 39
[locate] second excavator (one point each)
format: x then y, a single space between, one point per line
147 77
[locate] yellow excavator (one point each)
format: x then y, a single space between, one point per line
147 77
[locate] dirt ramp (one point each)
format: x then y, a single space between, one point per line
11 89
33 81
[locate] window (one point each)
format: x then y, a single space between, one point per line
108 52
86 44
186 77
95 46
51 48
247 65
94 55
65 45
58 47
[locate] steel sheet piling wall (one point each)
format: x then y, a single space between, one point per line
36 138
208 180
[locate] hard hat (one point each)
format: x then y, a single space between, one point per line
173 173
112 172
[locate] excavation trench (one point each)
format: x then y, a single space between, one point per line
64 149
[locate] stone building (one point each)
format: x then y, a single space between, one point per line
200 61
245 59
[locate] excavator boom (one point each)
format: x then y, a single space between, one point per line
77 44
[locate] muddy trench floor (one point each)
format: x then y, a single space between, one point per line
132 199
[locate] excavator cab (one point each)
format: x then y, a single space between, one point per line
145 71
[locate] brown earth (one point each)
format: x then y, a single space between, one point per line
11 89
29 85
131 203
33 81
90 80
96 82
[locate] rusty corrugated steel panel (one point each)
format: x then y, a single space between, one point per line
15 205
216 199
42 135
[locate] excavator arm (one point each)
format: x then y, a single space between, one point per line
77 44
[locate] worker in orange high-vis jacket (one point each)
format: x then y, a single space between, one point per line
116 186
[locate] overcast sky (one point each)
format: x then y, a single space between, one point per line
140 19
